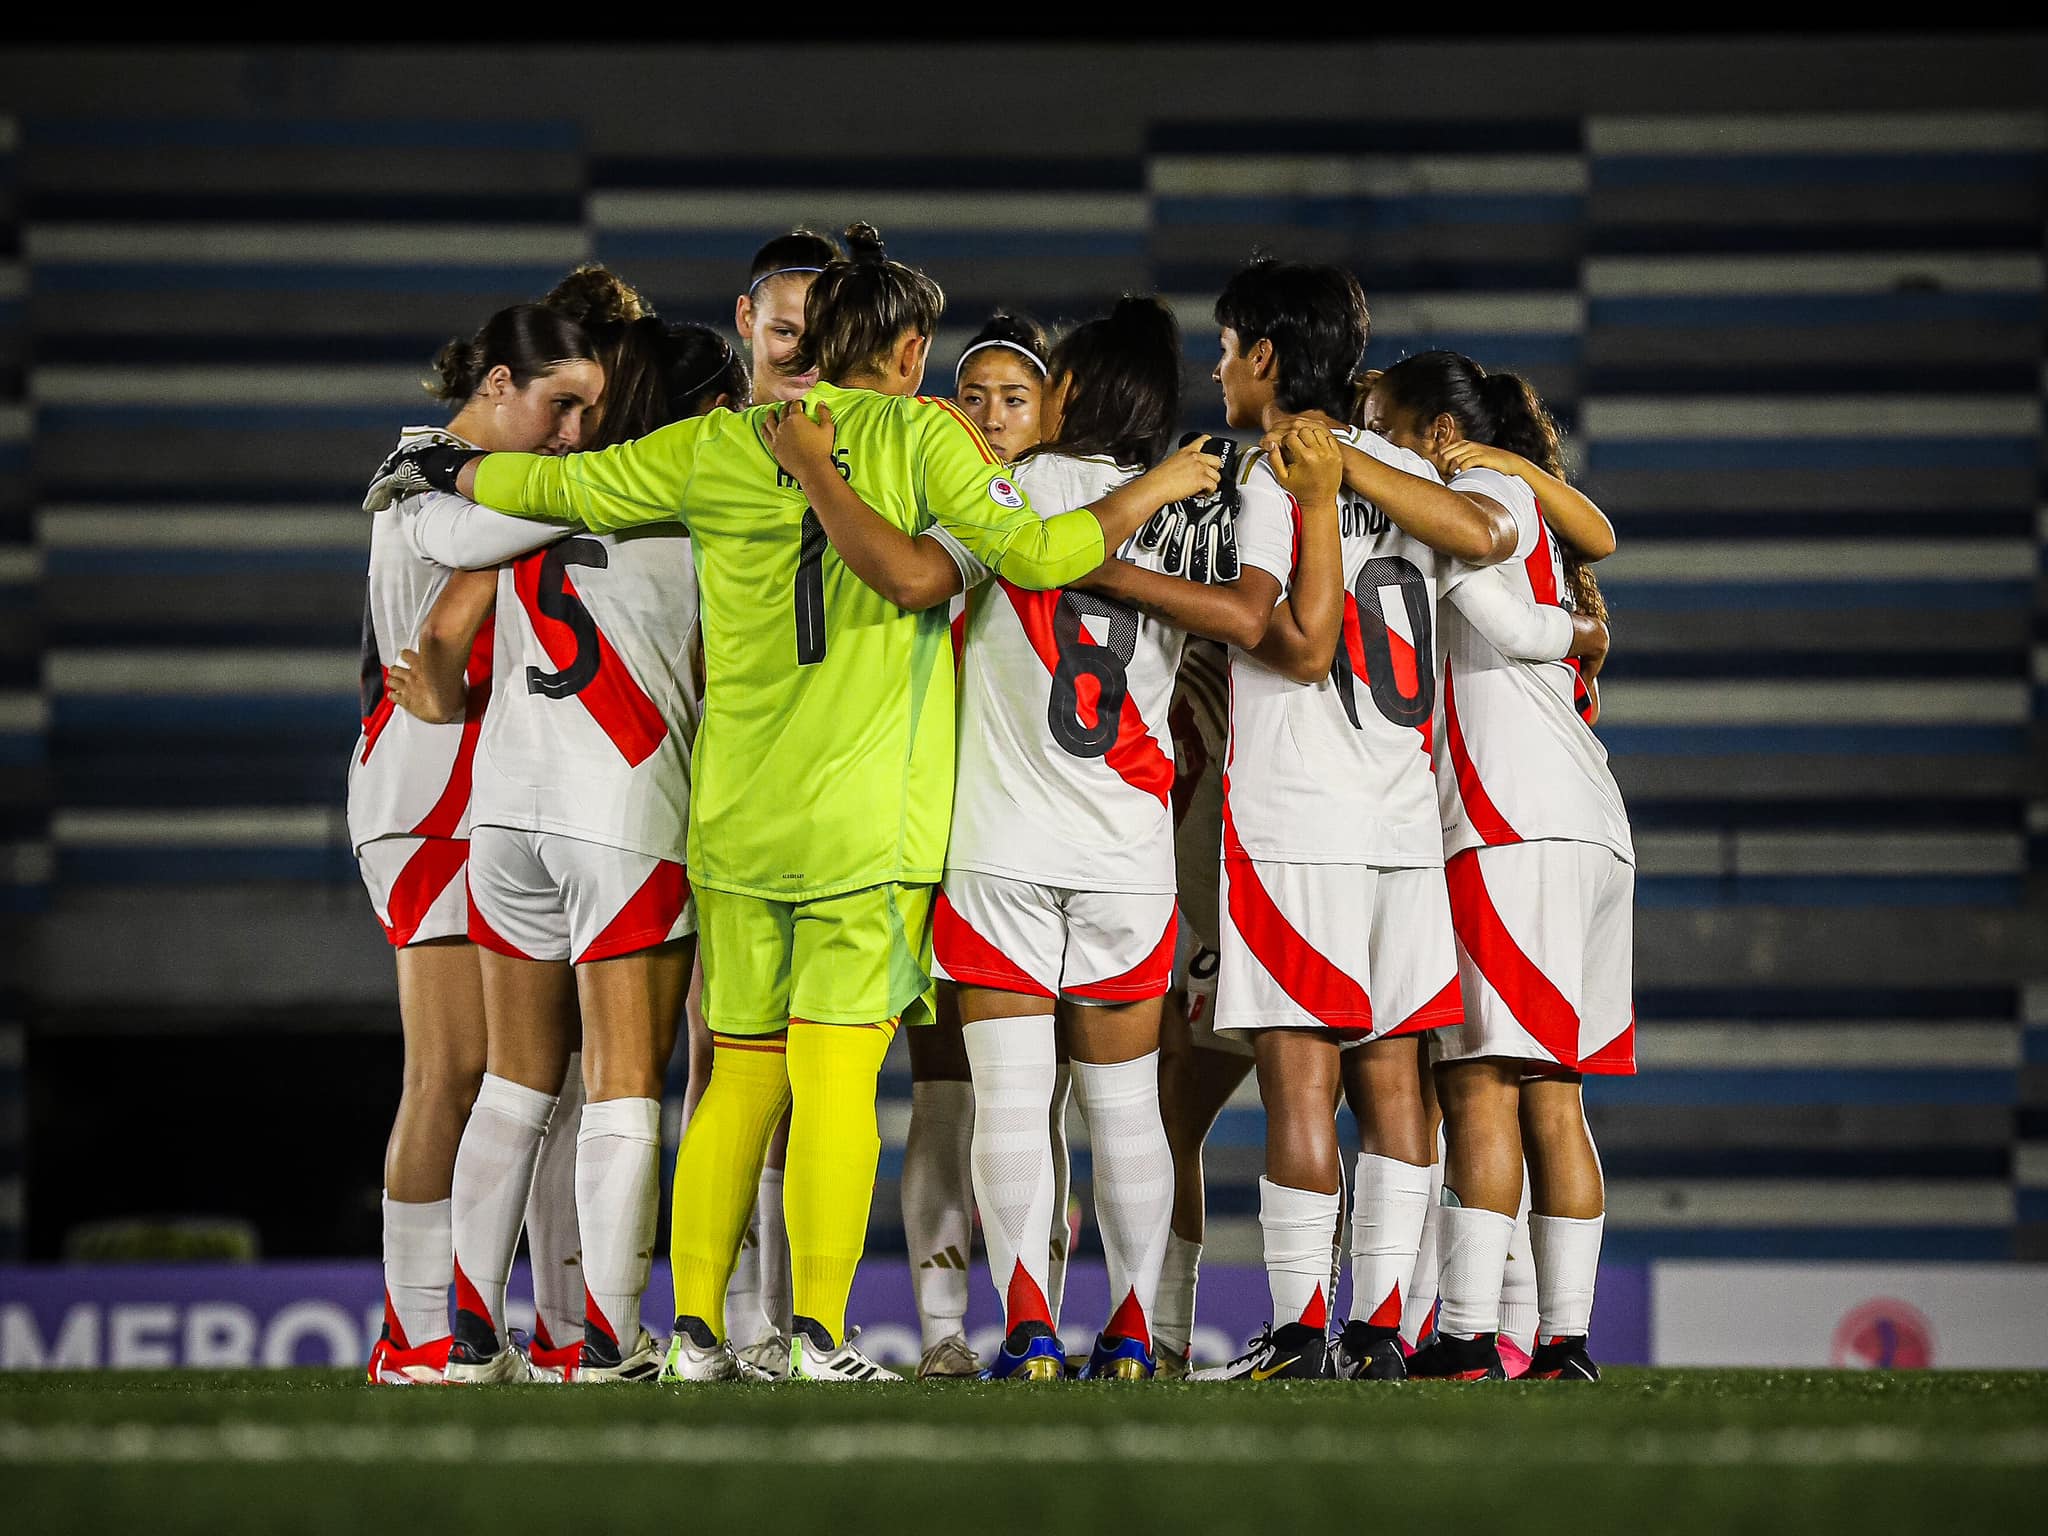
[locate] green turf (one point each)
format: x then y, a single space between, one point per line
1645 1451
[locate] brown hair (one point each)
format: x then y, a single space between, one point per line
859 307
529 339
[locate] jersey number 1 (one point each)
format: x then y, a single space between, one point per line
1402 709
810 591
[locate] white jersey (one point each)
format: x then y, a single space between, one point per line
1338 771
1065 771
590 733
1514 760
407 778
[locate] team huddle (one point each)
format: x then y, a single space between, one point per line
759 689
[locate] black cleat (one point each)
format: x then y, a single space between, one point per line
1366 1353
1295 1352
1563 1359
1450 1358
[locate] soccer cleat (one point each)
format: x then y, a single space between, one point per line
549 1361
1119 1359
1171 1365
1450 1358
814 1357
1366 1353
1295 1352
398 1365
1563 1359
1030 1352
769 1355
602 1360
696 1354
470 1367
949 1358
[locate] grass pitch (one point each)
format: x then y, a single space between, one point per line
1644 1451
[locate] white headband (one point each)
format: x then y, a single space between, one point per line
982 346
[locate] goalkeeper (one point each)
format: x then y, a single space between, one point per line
823 770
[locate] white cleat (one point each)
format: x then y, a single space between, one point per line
695 1355
508 1365
769 1355
642 1362
812 1357
950 1357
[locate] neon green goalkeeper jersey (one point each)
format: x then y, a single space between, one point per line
824 760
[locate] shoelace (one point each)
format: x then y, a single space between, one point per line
1258 1346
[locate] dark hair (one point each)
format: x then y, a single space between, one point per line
858 307
529 339
595 296
1316 318
1125 397
658 373
1497 408
1012 331
798 251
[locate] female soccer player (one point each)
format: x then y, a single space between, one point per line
1541 872
525 382
579 895
769 317
997 384
1336 945
831 703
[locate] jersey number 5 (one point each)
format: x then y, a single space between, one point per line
1403 709
557 602
1079 657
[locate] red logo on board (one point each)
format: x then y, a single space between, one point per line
1884 1335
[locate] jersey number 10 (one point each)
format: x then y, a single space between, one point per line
1377 641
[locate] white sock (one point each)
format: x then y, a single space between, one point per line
1014 1065
1567 1263
618 1157
938 1204
1061 1234
1475 1248
419 1261
1421 1294
1298 1225
776 1294
1389 1203
493 1176
1173 1314
745 1322
1133 1184
1518 1284
553 1241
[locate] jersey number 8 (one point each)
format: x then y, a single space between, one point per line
1080 657
1403 709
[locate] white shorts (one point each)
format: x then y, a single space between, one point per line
416 887
1545 956
544 896
1194 976
1042 941
1356 949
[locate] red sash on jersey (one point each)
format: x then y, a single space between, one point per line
1135 756
617 703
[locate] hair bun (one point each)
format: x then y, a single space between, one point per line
455 365
595 296
864 244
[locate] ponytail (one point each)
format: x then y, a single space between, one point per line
1124 399
860 307
1521 424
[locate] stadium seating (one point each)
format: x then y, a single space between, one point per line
1800 358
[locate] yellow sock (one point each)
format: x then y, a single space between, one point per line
828 1182
718 1170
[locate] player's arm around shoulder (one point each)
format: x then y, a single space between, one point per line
1301 641
646 480
913 573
